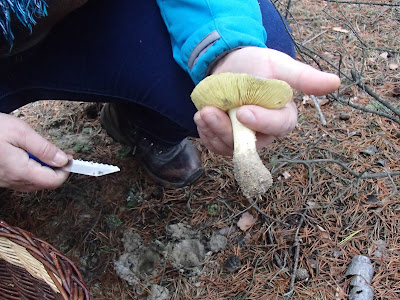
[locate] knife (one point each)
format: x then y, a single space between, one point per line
82 167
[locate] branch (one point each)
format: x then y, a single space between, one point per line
364 109
363 3
321 115
343 165
370 92
288 294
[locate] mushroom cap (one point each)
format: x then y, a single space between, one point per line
229 90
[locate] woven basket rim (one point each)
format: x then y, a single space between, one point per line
42 261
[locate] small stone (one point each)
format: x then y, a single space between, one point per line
360 265
187 254
301 274
337 254
232 264
393 66
381 162
344 116
217 243
313 263
380 250
370 150
384 55
226 231
240 240
372 198
158 292
355 133
180 231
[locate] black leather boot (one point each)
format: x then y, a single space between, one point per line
176 165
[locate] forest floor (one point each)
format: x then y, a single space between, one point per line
335 191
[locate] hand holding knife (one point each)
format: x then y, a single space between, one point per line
82 167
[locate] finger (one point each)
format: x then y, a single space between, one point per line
215 130
45 178
26 175
301 76
30 141
271 122
42 177
215 144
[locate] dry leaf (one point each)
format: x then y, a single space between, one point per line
323 101
323 233
246 221
286 175
340 29
393 66
340 294
311 204
329 55
306 98
384 55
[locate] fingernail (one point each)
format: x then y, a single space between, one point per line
211 119
199 121
246 116
60 159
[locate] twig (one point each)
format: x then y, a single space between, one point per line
333 200
364 109
374 95
163 272
244 210
276 256
280 270
395 191
93 226
288 8
314 37
312 145
252 279
266 215
321 115
343 165
289 293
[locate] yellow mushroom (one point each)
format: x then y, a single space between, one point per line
229 91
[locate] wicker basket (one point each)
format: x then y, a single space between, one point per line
31 269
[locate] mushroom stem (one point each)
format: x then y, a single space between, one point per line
252 176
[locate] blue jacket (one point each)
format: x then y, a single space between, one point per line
204 30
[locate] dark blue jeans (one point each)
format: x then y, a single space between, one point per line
116 51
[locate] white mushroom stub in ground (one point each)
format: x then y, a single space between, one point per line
229 91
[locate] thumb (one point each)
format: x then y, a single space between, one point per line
32 142
303 77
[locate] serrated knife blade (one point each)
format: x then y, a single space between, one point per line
89 168
83 167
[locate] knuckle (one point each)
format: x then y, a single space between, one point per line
47 150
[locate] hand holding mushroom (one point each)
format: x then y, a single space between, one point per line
214 125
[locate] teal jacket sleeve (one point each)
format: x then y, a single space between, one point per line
203 30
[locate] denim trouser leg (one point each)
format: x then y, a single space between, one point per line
116 51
